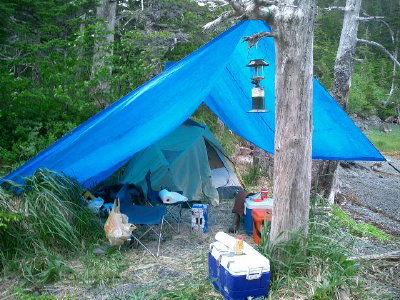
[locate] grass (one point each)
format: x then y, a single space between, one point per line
52 225
315 266
385 141
103 270
341 219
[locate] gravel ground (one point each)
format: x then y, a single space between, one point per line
372 191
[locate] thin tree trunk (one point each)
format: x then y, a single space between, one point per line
293 89
103 44
327 181
344 63
395 54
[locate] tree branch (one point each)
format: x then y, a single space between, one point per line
342 8
265 2
367 19
379 19
253 39
383 49
220 19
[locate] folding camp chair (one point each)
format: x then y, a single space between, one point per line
174 210
150 217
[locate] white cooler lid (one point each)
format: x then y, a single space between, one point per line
246 264
265 204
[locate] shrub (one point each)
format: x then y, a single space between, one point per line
314 266
52 224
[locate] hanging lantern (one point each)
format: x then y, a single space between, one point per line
257 92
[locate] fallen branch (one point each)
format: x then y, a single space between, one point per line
372 18
322 210
395 255
266 2
335 8
253 39
383 49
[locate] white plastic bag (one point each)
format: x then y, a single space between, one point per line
117 227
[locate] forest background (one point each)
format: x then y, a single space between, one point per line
47 56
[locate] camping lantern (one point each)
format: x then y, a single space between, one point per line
257 92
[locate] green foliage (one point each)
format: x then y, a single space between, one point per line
103 270
53 224
226 137
372 78
314 266
6 216
253 174
385 141
187 292
43 267
48 85
19 294
341 219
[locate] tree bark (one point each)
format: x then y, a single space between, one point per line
293 89
327 181
103 48
344 63
293 26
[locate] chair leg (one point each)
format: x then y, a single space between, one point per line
147 249
159 237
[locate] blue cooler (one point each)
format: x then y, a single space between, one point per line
249 205
238 276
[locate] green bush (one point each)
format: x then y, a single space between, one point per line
52 225
315 266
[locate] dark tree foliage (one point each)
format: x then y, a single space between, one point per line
372 76
46 57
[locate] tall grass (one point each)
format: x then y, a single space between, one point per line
315 266
53 224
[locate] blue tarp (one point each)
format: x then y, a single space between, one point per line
214 74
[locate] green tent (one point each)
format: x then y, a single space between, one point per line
190 159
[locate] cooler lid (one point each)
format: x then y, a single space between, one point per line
263 204
246 264
252 264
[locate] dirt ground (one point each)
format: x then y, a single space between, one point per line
371 196
183 261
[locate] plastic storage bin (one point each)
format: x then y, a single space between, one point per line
259 217
254 203
238 276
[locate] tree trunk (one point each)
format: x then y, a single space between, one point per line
293 89
344 63
103 44
327 181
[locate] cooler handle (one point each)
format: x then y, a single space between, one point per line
225 253
254 273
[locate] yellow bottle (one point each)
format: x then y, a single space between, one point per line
239 245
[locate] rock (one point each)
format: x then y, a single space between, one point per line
101 251
384 127
392 119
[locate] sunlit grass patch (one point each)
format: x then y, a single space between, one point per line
385 141
342 219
